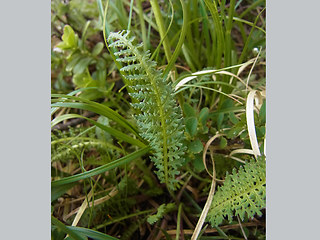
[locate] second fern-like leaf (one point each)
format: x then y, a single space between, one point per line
243 193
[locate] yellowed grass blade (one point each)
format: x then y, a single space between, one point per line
245 151
232 75
250 123
82 208
95 203
212 189
204 72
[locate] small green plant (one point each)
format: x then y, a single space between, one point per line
80 59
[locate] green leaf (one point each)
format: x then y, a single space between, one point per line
103 135
223 142
73 235
69 38
82 80
82 65
58 191
234 132
191 126
261 131
189 110
204 115
262 113
97 49
205 129
56 233
92 94
198 163
101 64
162 210
244 135
195 146
62 46
220 120
233 118
119 162
73 60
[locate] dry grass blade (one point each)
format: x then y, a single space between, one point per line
245 151
82 208
205 72
244 234
84 205
212 189
206 149
250 123
184 81
232 75
95 203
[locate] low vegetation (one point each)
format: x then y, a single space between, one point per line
158 119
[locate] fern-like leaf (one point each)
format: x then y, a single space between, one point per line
243 192
160 121
162 210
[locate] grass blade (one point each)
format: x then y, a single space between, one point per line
91 233
181 40
218 28
97 108
146 43
245 48
112 131
101 169
157 13
56 192
73 235
53 110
